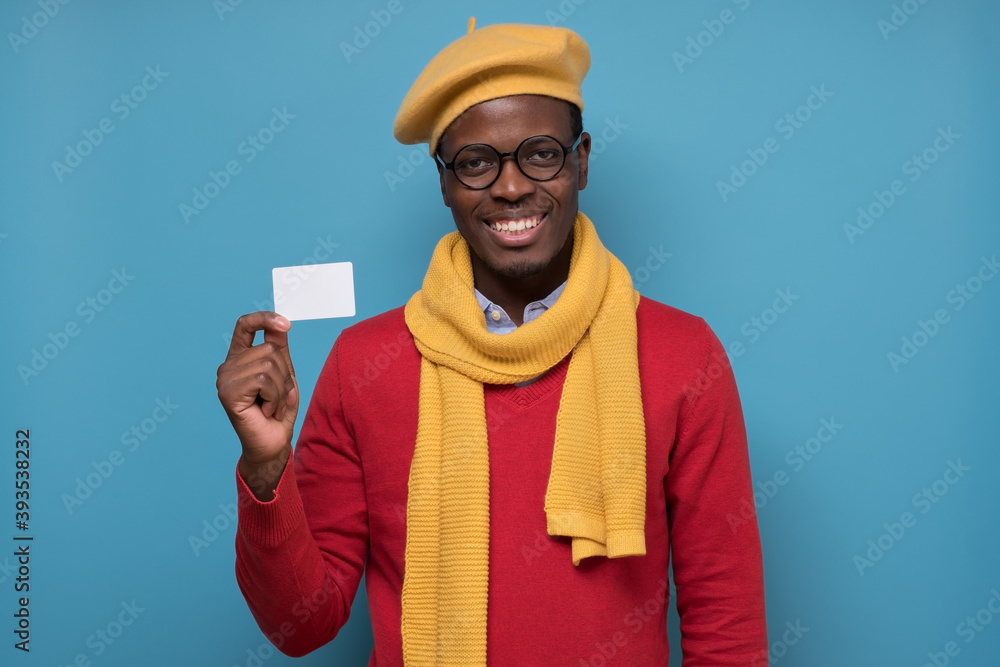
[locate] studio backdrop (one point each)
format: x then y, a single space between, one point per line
817 180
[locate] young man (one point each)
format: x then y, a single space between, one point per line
513 476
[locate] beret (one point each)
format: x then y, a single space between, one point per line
494 61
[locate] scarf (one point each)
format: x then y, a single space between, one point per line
596 492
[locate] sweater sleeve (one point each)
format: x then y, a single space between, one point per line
715 543
300 556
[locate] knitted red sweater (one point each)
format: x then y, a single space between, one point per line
340 509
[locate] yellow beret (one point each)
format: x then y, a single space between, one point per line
495 61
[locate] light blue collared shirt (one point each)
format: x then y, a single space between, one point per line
498 321
502 323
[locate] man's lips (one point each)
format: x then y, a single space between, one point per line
516 231
516 223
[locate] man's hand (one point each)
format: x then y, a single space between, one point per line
258 390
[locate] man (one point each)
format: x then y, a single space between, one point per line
513 475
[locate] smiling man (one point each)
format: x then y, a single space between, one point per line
517 216
515 478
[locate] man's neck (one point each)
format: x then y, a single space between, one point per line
514 294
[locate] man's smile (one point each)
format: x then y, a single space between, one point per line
513 232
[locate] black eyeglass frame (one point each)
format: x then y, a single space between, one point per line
567 150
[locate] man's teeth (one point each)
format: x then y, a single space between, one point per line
515 225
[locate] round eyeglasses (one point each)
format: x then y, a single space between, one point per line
540 158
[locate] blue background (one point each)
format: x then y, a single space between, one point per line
673 130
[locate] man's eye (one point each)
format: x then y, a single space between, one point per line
543 155
475 164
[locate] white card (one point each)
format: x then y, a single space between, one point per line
314 291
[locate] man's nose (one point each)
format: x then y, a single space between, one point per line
511 183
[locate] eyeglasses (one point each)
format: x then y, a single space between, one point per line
540 158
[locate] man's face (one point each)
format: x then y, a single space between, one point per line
504 123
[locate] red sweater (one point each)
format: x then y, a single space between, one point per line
340 510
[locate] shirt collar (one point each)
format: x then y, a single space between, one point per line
504 324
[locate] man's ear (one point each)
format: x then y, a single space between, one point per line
584 156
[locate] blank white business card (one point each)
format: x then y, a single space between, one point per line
314 291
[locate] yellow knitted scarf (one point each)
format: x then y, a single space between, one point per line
597 484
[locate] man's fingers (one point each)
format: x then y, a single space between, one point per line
268 389
262 372
263 356
270 354
261 375
280 339
248 325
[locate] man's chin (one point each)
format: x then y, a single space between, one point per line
518 269
520 263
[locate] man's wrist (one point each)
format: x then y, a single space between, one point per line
262 477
